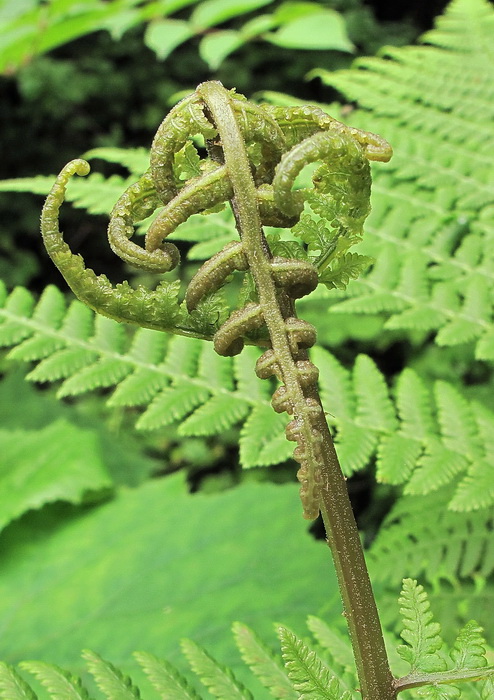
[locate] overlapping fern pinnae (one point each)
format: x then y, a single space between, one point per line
318 672
432 221
429 441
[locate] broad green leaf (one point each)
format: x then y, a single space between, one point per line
59 462
215 47
320 30
154 565
209 13
163 36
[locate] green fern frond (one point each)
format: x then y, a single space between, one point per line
422 440
218 679
60 684
469 648
310 676
421 634
431 671
12 686
165 678
432 217
109 679
96 194
136 160
338 646
263 663
451 545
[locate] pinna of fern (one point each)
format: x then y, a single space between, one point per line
318 669
430 230
407 430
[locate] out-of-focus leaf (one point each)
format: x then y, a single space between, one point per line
157 564
324 29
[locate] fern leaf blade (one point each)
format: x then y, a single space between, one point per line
262 439
421 634
218 679
12 686
104 373
109 679
172 404
263 663
165 678
308 674
60 684
215 416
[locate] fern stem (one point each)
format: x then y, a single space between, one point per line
359 604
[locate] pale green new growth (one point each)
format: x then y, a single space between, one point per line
263 663
218 679
310 677
109 679
165 678
431 670
422 635
60 684
12 686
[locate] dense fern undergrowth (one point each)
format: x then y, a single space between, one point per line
423 429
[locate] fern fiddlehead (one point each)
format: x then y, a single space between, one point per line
254 156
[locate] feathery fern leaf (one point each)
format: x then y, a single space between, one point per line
330 639
263 663
109 679
218 679
310 676
423 441
422 635
431 671
451 546
469 648
165 678
427 441
12 686
432 219
60 684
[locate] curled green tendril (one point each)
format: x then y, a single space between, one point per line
254 156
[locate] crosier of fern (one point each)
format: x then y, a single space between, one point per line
254 155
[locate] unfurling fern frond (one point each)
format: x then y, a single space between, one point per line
432 217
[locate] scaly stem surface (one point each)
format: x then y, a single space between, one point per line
376 681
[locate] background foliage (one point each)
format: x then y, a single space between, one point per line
97 528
